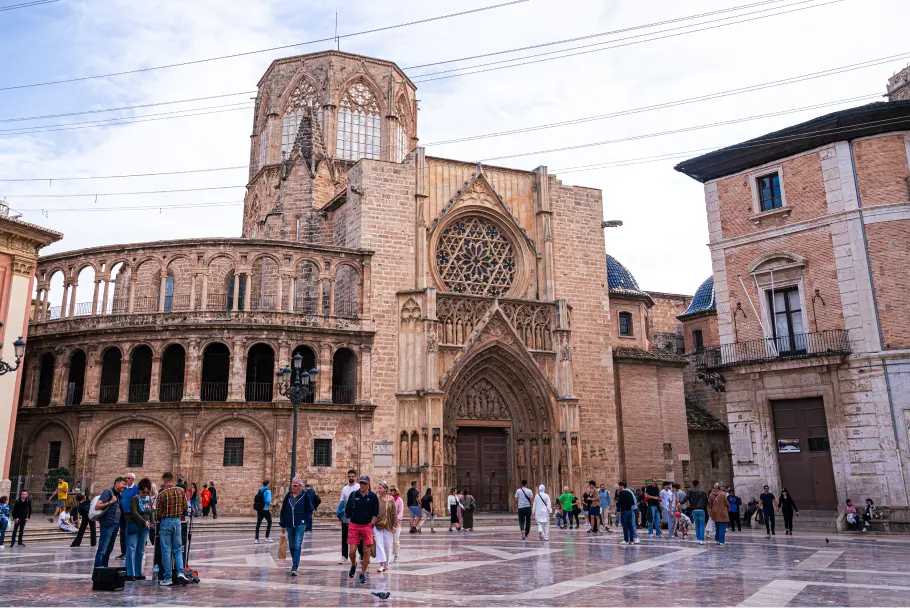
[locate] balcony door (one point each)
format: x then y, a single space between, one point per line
787 321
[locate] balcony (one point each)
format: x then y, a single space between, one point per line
771 350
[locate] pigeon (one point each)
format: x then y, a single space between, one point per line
826 540
383 595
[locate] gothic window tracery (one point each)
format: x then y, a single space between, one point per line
358 124
474 256
303 96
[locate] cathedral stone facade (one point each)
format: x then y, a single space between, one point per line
459 317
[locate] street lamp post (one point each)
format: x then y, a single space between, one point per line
19 348
296 384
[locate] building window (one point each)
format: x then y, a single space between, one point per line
402 141
698 339
53 454
625 324
715 459
303 96
475 256
135 453
233 451
322 452
769 196
787 323
358 124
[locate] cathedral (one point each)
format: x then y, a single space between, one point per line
464 322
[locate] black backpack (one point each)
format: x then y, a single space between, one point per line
316 501
259 501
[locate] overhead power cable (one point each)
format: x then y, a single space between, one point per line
86 177
444 74
44 210
597 35
682 130
136 107
100 194
124 121
12 7
259 51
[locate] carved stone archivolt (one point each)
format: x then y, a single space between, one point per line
482 402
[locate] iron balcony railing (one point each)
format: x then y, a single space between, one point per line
170 391
769 350
139 393
342 394
259 392
214 391
109 393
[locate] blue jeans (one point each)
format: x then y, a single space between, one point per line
135 549
720 531
171 544
627 518
698 516
295 539
106 542
4 524
654 522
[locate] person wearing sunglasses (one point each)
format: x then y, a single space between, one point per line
139 522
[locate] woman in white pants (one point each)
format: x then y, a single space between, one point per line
384 526
399 511
542 508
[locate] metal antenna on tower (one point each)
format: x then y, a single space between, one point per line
337 39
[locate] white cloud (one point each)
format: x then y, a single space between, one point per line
663 239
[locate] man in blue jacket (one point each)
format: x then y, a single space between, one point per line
296 512
262 503
125 497
110 521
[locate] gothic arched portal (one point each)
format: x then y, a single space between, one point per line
500 426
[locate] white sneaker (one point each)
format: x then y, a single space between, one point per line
268 540
257 541
636 542
396 559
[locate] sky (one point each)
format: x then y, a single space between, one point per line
663 240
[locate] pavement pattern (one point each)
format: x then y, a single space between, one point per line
494 567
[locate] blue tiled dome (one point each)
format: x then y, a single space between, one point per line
704 300
620 280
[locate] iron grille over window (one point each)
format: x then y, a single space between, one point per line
769 192
625 324
474 256
233 451
322 452
135 453
53 454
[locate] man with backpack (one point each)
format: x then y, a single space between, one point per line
314 497
262 503
698 503
525 498
108 504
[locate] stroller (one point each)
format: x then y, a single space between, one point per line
186 532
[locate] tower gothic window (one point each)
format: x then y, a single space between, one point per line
473 256
304 96
358 124
402 141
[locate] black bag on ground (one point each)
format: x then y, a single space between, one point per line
108 579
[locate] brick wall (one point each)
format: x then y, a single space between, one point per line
708 327
640 332
706 449
581 278
665 310
881 169
889 255
642 422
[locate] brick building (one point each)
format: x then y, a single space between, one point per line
458 316
809 231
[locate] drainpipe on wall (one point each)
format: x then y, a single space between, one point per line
878 323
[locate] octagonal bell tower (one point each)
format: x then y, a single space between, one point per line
315 116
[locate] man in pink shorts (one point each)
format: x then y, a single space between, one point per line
362 510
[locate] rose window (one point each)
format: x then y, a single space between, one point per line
473 256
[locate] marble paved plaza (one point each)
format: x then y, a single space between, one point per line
494 567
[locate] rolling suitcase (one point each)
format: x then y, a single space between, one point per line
108 579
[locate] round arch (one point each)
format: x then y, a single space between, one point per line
48 423
200 437
93 446
308 258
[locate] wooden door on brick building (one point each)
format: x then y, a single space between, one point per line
481 463
804 452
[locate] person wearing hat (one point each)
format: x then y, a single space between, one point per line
362 510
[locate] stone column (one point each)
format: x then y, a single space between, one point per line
107 283
192 305
93 365
39 307
237 382
204 304
73 295
95 297
364 387
132 294
64 305
31 383
61 375
124 392
331 311
248 280
155 380
545 279
192 373
236 299
280 291
325 373
162 290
